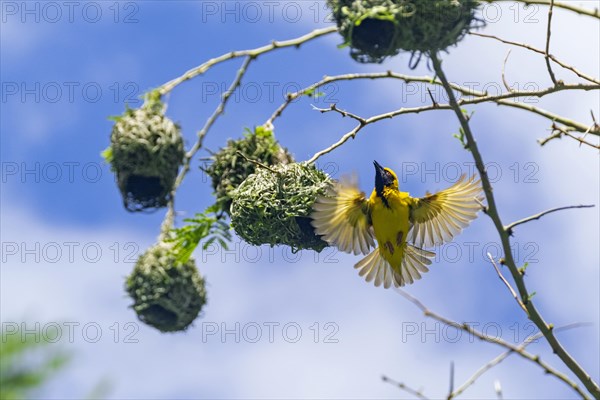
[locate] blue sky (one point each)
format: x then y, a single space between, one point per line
67 242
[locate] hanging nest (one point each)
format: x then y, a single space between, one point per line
146 152
272 206
229 169
166 295
376 29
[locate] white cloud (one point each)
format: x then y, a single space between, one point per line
373 326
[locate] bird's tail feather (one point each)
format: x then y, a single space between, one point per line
375 267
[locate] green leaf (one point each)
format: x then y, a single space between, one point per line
461 137
26 363
107 154
207 225
523 268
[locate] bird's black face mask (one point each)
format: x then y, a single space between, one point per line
382 179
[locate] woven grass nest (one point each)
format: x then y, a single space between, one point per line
146 151
272 206
376 29
166 294
229 169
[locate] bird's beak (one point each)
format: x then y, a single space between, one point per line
379 172
378 169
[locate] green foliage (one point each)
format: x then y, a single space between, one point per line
166 294
229 169
107 155
531 296
376 29
146 152
461 133
273 206
312 92
208 224
26 363
461 137
523 269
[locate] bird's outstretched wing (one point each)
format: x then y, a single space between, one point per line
342 218
438 217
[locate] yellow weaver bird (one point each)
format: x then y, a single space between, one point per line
347 219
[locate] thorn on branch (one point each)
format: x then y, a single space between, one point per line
435 104
484 208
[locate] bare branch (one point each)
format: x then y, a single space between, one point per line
451 389
503 72
417 393
509 228
496 340
333 107
503 279
253 53
481 97
578 126
497 360
548 34
558 132
566 6
550 56
170 215
492 212
257 163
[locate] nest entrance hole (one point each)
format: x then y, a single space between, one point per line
144 192
157 314
374 34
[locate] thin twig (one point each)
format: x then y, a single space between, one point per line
558 132
250 55
343 113
498 389
480 97
566 6
253 53
508 88
578 126
258 163
555 135
451 388
542 52
433 102
509 228
170 215
503 279
492 339
548 34
492 212
500 99
417 393
497 360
